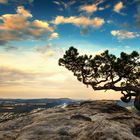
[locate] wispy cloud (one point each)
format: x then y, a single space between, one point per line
11 76
101 8
64 5
122 34
49 51
10 48
46 51
79 21
16 77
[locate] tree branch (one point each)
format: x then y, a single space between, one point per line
114 82
130 88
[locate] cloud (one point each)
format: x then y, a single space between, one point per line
89 8
6 36
19 27
13 22
122 34
79 21
38 78
104 7
43 25
44 49
10 76
64 5
118 7
23 12
95 6
98 2
54 36
57 2
49 51
3 1
10 48
39 70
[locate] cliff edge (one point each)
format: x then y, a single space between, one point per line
89 120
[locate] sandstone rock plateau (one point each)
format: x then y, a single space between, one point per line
89 120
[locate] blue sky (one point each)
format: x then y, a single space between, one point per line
34 34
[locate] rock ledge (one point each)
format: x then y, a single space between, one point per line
89 120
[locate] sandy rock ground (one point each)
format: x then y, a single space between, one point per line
89 120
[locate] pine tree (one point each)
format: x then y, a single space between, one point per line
107 72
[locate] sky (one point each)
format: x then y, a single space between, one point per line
34 34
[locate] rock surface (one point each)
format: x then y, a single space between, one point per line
90 120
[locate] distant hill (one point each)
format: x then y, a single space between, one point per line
27 105
44 100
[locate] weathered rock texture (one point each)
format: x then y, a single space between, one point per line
91 120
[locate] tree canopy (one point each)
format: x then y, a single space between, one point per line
106 71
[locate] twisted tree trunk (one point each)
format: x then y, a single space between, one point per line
137 102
